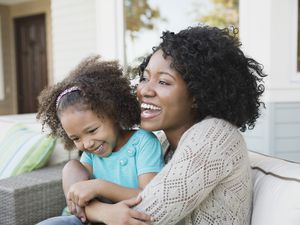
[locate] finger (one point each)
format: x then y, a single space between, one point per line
81 214
140 216
133 201
81 202
73 208
136 222
76 199
70 196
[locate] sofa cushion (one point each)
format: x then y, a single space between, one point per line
276 197
23 150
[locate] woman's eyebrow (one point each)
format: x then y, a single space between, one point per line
161 73
168 74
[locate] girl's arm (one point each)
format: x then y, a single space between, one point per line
83 192
149 160
72 173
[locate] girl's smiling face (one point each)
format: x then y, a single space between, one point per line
89 132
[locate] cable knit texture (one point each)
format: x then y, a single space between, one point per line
207 182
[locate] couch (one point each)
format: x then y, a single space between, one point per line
31 197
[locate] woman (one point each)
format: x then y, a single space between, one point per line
200 89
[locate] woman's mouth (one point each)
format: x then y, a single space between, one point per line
149 111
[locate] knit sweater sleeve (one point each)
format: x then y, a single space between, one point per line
205 155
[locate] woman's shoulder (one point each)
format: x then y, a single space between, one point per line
211 128
213 123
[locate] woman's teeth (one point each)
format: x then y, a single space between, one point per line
146 106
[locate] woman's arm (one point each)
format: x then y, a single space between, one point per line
201 161
83 192
116 214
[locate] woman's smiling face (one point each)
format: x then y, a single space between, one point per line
89 132
163 95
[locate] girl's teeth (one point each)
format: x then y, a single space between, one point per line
100 148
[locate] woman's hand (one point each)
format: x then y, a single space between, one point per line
81 193
120 213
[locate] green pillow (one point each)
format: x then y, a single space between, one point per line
23 150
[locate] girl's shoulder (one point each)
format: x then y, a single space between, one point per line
142 133
141 136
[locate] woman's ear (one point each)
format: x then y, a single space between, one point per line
194 104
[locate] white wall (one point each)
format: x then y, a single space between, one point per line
268 31
1 67
81 28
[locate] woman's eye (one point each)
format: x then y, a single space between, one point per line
143 78
163 82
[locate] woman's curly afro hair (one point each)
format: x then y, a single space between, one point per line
103 89
223 81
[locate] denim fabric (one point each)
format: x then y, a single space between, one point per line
62 220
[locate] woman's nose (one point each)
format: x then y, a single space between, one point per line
146 89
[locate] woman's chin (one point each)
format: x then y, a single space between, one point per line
150 126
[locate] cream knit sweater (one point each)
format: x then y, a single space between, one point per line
207 182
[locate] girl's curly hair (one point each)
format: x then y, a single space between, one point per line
224 82
103 89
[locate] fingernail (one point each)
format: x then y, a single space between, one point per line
152 219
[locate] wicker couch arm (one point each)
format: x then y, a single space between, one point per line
31 197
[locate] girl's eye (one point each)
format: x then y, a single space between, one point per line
92 131
75 139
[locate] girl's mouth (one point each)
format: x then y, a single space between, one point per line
99 149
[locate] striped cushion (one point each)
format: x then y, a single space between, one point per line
23 150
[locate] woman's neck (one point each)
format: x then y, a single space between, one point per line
174 135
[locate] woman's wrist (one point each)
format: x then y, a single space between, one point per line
95 211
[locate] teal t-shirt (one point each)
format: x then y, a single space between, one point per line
141 154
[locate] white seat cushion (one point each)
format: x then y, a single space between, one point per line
276 197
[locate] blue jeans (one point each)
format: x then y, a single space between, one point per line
61 220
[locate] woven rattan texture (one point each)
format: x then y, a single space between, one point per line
31 197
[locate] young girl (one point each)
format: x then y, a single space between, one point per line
94 110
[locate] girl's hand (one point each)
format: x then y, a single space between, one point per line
77 211
81 193
118 214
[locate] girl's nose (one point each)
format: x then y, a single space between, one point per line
88 144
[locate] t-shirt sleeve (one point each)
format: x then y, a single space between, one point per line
197 166
86 157
149 155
